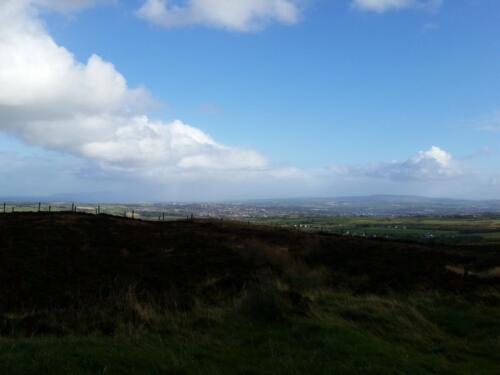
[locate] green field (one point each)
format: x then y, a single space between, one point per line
466 229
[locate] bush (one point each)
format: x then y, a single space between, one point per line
268 302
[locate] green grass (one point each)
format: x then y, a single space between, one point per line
446 229
342 334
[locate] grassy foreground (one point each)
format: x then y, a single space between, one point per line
86 294
343 334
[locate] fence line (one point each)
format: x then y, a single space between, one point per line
96 209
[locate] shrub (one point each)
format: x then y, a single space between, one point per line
272 301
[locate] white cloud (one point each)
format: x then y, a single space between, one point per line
238 15
49 99
381 6
433 164
66 5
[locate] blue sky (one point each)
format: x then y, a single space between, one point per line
276 98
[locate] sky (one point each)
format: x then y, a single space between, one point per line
182 100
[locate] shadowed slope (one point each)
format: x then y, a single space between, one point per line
62 259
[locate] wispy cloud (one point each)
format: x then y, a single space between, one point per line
429 27
209 108
483 152
237 15
490 123
67 5
382 6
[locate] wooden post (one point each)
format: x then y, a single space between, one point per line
39 206
4 207
13 209
163 216
133 214
50 208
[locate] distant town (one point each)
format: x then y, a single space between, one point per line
379 205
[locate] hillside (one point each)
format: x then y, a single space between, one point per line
80 283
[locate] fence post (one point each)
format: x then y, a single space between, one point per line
4 207
163 216
50 208
133 214
39 206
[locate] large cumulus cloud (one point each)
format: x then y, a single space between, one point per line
432 164
50 99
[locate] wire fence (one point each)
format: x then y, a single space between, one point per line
96 209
